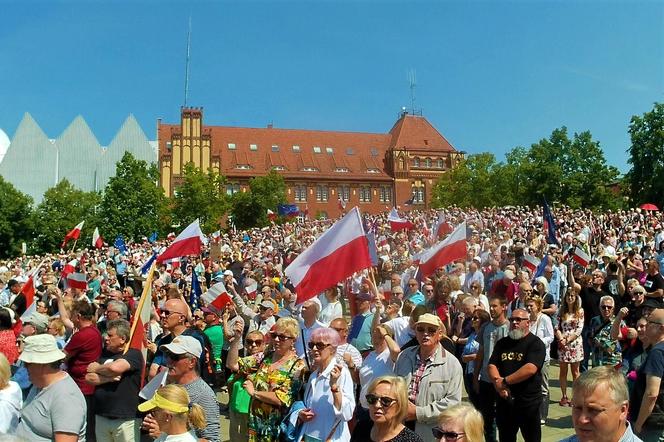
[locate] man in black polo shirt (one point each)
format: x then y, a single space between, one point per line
654 283
515 369
118 380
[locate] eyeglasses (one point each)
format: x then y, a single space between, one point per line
168 313
385 401
255 342
428 330
338 330
527 291
515 319
317 345
176 357
280 337
606 307
653 322
439 434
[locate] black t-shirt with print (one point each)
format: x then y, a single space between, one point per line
509 355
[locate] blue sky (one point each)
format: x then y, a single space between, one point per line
490 75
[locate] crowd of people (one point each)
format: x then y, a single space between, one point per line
384 355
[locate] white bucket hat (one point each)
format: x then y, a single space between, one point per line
41 349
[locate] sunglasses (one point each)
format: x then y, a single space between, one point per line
280 337
317 345
475 318
428 330
518 319
439 434
169 313
606 307
385 401
175 357
255 342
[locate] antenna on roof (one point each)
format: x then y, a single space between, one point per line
412 80
186 69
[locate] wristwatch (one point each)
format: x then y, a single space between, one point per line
505 381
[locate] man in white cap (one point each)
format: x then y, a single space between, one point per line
505 287
429 371
55 408
182 363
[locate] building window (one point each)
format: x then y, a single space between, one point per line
275 148
439 161
300 192
427 163
278 167
309 169
418 195
231 146
350 151
316 149
296 148
365 194
329 150
341 169
344 192
242 166
416 162
321 192
385 194
232 188
402 163
373 170
253 147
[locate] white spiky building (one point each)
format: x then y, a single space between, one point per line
34 163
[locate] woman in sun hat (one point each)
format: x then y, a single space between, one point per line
55 408
175 414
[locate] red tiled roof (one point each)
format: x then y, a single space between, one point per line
416 132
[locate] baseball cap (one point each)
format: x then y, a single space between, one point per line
508 274
38 320
267 304
228 273
184 344
429 319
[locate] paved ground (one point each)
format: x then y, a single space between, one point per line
558 425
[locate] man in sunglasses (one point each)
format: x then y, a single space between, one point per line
433 375
515 371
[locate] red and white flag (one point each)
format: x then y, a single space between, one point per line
251 288
70 267
172 264
397 223
188 242
530 262
28 291
77 281
217 296
271 215
97 240
216 236
74 233
342 204
338 253
441 228
581 257
449 250
141 319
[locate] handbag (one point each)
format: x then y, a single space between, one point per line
289 431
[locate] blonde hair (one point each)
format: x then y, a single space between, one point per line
608 377
289 326
57 324
177 394
5 371
473 423
398 389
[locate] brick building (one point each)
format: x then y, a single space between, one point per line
374 171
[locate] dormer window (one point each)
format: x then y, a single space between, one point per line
316 149
341 169
253 147
329 150
231 146
278 167
373 170
309 169
242 167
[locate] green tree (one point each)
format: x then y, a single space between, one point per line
133 204
62 208
200 195
645 179
249 209
15 219
246 211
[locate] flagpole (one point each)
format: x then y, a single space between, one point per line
141 302
74 246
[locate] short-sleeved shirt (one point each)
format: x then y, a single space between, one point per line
83 348
119 400
360 332
488 335
653 366
200 393
58 408
509 355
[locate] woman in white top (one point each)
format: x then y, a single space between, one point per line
330 306
380 362
177 417
540 325
11 399
328 396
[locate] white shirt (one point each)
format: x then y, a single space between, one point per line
305 334
329 310
11 401
543 329
401 328
318 397
375 365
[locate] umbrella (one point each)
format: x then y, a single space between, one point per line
648 206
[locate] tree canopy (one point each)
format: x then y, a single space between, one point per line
15 219
646 155
200 195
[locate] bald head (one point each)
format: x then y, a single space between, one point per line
176 306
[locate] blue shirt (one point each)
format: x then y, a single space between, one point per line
417 298
628 436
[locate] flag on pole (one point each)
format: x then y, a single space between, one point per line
153 238
148 264
289 210
444 252
97 240
271 215
342 204
74 234
217 296
120 244
141 319
70 267
251 288
397 223
549 225
581 257
530 262
29 291
188 242
338 253
196 291
77 281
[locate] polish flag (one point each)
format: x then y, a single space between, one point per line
70 267
251 288
216 236
397 223
77 281
172 263
217 296
271 215
531 262
29 291
140 321
444 252
75 233
581 257
188 242
97 240
442 226
338 253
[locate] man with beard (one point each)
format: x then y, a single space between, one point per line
515 370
